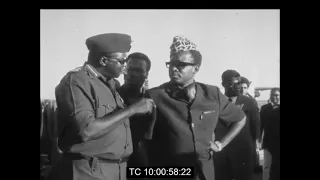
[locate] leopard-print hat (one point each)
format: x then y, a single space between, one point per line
181 43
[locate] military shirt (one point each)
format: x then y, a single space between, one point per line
82 96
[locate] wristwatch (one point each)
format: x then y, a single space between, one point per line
219 145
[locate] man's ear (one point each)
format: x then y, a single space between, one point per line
196 69
103 61
223 84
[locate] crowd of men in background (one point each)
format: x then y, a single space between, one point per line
97 127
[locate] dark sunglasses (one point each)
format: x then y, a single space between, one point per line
235 84
178 64
120 60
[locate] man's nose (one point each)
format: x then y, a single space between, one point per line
173 68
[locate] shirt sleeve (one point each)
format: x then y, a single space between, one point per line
73 101
150 121
229 112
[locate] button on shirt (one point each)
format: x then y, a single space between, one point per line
82 96
183 130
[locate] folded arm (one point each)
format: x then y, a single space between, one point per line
231 116
234 130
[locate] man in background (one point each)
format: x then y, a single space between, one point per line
270 126
236 161
245 85
133 89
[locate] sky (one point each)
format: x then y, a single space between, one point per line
247 41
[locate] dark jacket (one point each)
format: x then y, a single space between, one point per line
270 124
251 131
181 132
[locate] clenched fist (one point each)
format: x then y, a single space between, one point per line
143 106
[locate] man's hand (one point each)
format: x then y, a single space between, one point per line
258 143
214 147
143 106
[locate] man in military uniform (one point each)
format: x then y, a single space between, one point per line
133 89
236 161
93 125
182 134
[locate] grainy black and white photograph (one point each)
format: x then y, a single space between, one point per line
160 94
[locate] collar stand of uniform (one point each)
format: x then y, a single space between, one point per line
93 72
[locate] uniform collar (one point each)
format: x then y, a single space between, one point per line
93 73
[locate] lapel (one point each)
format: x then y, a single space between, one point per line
198 96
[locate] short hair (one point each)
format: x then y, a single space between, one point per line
228 74
274 90
245 80
139 55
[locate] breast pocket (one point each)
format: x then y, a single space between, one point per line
104 109
209 118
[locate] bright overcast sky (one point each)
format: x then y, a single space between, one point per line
245 40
